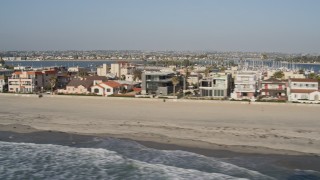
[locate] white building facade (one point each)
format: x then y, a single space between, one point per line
245 85
300 90
216 86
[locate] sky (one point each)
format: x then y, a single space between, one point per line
290 26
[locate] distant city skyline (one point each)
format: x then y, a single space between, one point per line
288 26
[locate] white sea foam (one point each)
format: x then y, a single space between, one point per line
182 159
39 161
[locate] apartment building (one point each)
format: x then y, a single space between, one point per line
30 81
245 85
25 82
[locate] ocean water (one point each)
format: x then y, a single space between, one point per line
109 158
93 64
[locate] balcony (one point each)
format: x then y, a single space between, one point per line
244 90
244 82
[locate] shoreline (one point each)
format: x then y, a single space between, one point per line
167 143
31 135
230 126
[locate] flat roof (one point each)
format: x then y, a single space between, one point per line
157 73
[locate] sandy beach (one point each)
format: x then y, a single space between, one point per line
252 128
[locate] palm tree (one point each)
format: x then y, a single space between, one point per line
123 77
207 71
175 81
53 81
186 78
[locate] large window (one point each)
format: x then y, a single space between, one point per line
219 93
96 90
206 92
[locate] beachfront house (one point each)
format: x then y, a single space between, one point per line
245 85
106 88
77 86
303 90
157 83
216 86
273 88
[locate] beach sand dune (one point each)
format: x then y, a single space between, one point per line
258 128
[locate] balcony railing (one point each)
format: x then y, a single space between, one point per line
244 82
245 89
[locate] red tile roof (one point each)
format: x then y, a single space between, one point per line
112 84
50 72
18 72
302 91
303 80
137 89
34 72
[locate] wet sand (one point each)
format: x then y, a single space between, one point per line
30 135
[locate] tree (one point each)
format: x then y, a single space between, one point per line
82 73
207 71
175 81
264 56
312 76
123 77
186 62
137 74
2 62
223 68
278 75
53 82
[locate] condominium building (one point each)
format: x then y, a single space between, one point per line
30 81
245 85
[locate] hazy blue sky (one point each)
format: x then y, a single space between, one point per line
224 25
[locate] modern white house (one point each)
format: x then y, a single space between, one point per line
158 83
245 85
216 86
301 90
